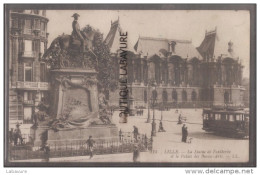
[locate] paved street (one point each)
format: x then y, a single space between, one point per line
204 146
167 146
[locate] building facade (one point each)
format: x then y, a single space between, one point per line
182 75
28 80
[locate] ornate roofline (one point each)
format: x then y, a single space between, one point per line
165 39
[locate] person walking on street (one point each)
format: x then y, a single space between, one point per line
135 133
90 145
180 119
161 129
136 153
183 132
18 135
46 150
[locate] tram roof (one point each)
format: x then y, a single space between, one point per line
224 111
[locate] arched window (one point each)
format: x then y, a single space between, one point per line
145 96
164 96
154 94
226 97
184 95
193 96
174 95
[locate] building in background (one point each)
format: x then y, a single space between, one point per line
182 75
28 80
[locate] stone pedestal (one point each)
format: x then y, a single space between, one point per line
73 91
74 98
74 136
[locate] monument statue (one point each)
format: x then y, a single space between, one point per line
76 33
77 109
75 50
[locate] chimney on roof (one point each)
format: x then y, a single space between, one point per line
172 45
230 48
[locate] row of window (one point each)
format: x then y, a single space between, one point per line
174 95
28 71
30 25
35 12
28 46
226 117
29 110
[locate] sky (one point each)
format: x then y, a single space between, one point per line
172 24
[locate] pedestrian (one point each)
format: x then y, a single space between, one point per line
46 149
90 145
11 136
161 129
179 120
18 135
135 133
136 153
120 135
183 132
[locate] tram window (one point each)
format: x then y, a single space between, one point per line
239 117
205 117
223 117
231 117
217 117
211 116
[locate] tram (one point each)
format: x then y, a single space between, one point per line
231 123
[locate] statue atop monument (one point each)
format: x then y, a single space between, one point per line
73 51
76 33
81 65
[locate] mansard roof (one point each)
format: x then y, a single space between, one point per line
210 47
113 38
150 46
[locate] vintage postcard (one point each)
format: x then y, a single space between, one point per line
130 85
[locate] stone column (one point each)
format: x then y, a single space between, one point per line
173 74
167 73
141 73
190 74
133 69
180 74
223 75
14 58
160 72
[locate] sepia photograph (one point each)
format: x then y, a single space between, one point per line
130 85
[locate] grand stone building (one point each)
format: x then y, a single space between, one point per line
183 75
28 80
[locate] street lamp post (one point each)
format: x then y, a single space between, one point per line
161 129
161 113
153 123
148 118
